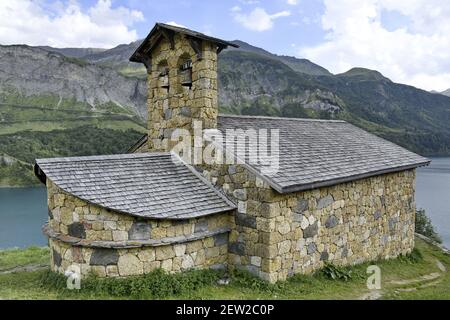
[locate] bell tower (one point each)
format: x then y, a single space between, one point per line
182 81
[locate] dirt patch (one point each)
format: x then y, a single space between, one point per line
28 268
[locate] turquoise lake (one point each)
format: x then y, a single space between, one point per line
24 210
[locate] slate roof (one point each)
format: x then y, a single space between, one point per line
317 153
155 35
148 185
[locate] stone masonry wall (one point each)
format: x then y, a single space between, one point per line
277 235
107 243
177 107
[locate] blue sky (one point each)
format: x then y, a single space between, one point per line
407 40
217 17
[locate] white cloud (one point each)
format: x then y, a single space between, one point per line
249 2
416 54
258 19
292 2
28 22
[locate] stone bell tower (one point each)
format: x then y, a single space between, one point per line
182 81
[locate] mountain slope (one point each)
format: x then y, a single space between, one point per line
411 117
296 64
33 71
255 84
52 105
117 58
446 93
73 52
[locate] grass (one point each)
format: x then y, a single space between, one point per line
47 126
131 72
21 257
202 284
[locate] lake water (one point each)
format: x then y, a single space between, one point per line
433 195
24 210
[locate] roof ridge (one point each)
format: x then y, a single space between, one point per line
279 118
204 180
104 157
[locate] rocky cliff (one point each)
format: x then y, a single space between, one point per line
32 72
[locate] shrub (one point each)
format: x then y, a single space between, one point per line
413 257
333 272
53 280
245 279
156 284
425 227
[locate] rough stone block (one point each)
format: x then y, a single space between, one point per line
240 194
57 259
284 228
221 239
180 250
284 247
187 262
163 253
104 257
77 230
242 206
237 248
311 231
270 210
302 206
99 271
139 231
167 265
120 235
324 202
146 254
212 252
377 214
256 261
201 226
311 248
331 222
324 256
245 220
129 265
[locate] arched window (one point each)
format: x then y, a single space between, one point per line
163 75
185 70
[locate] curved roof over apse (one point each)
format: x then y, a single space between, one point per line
148 185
